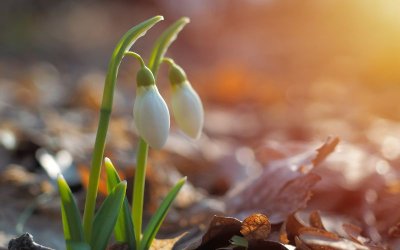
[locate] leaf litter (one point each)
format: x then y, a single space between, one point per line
356 188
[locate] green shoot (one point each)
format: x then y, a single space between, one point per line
72 224
123 228
157 219
106 217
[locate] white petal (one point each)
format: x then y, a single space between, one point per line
188 110
151 116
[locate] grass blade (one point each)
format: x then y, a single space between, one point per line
71 219
163 42
105 219
124 227
157 219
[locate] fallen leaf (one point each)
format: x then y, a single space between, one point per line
352 231
219 232
165 244
325 150
394 231
315 220
283 187
316 237
321 240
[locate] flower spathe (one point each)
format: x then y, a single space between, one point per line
187 109
151 116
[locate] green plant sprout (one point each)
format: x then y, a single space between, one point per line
152 120
238 241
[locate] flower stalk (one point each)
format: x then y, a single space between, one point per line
152 119
138 190
108 94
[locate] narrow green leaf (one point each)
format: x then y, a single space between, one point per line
78 245
124 227
105 219
157 219
163 42
71 218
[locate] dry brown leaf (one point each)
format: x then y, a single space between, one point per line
325 150
316 237
317 231
282 188
315 220
324 241
300 244
394 231
291 228
256 227
352 231
165 244
220 231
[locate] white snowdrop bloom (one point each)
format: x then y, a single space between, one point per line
151 116
187 109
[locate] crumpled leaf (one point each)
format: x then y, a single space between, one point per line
394 231
316 221
322 240
222 230
353 232
165 244
219 232
282 188
325 150
309 237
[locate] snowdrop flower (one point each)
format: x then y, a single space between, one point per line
150 112
186 104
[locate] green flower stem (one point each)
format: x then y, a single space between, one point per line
137 56
138 189
163 42
169 61
159 49
123 46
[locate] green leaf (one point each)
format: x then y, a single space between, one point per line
163 42
123 46
78 245
71 218
239 241
124 227
157 219
105 219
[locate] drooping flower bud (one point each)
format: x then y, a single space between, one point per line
150 112
186 104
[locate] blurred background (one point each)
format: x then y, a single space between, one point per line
265 69
309 65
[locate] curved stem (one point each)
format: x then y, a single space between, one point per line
137 56
123 45
163 42
138 189
169 61
159 49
